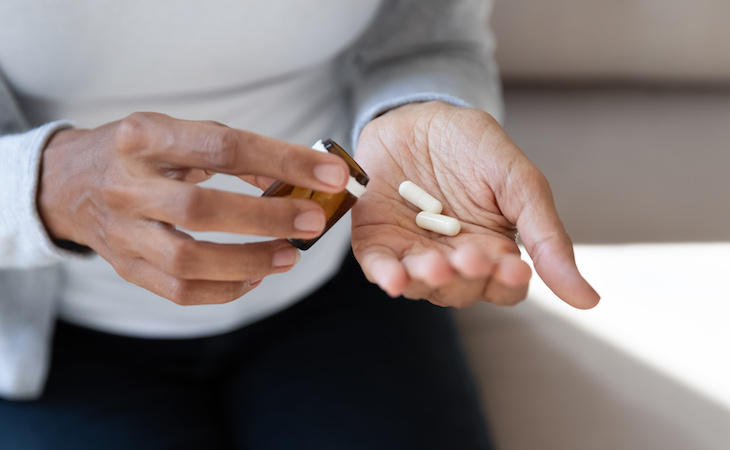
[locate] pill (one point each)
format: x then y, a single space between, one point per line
438 223
422 199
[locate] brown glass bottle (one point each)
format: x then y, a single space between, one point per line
335 205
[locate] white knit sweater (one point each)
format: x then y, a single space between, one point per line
412 50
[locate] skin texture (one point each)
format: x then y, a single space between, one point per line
462 157
123 189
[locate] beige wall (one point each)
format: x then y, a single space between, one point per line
607 40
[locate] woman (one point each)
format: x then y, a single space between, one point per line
115 220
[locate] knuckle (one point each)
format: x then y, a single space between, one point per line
130 132
546 246
181 292
180 258
124 269
113 197
191 292
223 150
533 181
232 291
486 118
214 123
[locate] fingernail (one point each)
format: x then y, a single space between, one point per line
331 174
254 283
286 257
309 221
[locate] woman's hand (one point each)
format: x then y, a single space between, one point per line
123 188
462 157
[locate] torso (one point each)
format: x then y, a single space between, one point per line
263 66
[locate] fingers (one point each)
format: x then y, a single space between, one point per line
472 263
430 267
551 249
467 276
186 258
510 281
459 279
552 255
200 209
173 143
179 268
118 188
184 291
381 266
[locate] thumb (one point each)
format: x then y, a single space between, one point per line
549 246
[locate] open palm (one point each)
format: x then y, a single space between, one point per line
462 157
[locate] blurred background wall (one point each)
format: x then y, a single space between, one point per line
650 41
625 106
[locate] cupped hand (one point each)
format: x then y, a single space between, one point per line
464 158
126 188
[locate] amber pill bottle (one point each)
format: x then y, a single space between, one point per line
335 205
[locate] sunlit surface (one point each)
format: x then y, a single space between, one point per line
667 305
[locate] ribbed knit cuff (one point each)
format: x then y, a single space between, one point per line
24 241
425 79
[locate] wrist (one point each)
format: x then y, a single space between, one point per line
53 208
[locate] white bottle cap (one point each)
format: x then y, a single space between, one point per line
354 187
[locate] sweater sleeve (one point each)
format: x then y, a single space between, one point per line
421 50
24 242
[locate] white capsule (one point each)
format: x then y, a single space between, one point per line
438 223
422 199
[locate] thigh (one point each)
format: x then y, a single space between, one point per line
352 368
107 392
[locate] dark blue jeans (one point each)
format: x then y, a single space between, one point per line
347 368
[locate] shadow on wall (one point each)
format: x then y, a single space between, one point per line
549 385
625 107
